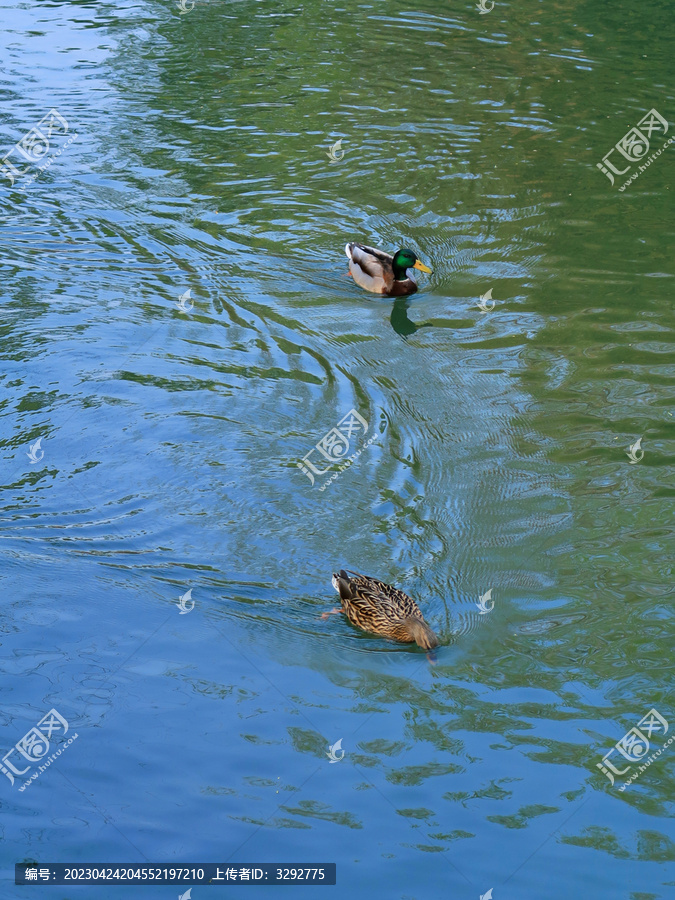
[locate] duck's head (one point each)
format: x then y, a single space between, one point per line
406 259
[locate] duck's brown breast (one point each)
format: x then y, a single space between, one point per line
402 288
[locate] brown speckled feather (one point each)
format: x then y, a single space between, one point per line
374 606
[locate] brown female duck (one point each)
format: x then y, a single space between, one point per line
375 606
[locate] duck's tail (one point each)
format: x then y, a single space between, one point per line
421 633
341 584
348 250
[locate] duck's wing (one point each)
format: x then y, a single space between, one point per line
370 268
370 593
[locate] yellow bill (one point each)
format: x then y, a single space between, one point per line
419 265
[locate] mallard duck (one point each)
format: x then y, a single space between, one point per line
380 273
375 606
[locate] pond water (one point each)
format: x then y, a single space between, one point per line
179 334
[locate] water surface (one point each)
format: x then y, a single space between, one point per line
172 436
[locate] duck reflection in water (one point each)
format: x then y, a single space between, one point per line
401 323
